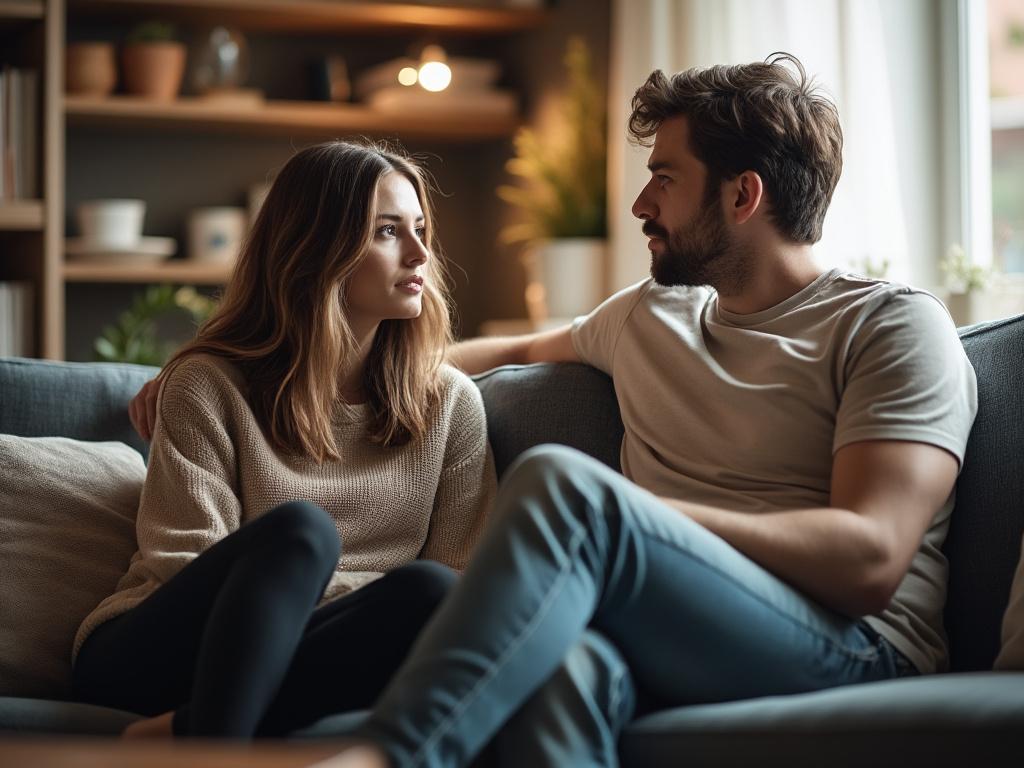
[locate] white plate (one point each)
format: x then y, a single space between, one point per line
147 250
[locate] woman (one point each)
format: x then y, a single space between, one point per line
312 407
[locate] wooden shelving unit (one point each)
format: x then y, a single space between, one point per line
14 10
285 117
174 271
327 16
22 215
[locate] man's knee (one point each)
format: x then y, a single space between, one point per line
554 475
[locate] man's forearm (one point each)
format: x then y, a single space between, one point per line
479 355
832 555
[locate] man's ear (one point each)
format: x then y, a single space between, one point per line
747 191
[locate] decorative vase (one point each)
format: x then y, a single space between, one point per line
570 272
154 70
90 69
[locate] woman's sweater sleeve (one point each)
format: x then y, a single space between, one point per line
467 485
189 501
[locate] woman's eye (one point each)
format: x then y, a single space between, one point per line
421 232
388 230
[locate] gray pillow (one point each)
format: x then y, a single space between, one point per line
67 533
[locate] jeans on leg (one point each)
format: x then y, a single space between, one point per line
572 545
576 716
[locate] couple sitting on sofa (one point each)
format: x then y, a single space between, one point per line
792 440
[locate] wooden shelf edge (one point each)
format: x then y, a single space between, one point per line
174 271
325 16
287 117
21 9
21 215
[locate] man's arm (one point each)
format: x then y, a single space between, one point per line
479 355
851 556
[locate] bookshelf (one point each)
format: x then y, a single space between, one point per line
32 232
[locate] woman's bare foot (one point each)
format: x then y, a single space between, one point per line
357 756
158 727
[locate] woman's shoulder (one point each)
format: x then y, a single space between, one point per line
459 391
204 378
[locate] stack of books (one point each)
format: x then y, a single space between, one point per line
19 134
16 320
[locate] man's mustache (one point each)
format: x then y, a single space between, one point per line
653 230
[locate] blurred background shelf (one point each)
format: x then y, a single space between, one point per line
13 10
21 215
285 118
175 271
324 16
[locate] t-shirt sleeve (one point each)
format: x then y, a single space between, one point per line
594 336
908 378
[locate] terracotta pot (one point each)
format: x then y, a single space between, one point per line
90 69
154 70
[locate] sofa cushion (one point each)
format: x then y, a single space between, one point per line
983 544
38 716
86 401
949 719
67 533
567 403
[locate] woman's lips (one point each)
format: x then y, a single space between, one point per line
412 285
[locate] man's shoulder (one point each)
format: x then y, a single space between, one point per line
871 297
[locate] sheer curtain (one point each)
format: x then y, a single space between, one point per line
871 57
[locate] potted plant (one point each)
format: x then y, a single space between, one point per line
965 283
154 61
563 198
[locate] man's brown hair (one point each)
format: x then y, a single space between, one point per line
754 117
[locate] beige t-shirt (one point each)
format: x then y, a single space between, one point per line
745 412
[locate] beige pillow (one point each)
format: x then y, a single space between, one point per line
1011 655
67 533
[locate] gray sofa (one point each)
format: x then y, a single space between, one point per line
970 716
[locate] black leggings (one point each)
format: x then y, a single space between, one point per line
234 642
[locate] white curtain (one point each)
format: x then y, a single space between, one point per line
848 46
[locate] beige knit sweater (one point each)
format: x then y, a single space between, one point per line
211 470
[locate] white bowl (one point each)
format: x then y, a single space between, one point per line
111 223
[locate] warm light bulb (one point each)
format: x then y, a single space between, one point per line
407 76
435 76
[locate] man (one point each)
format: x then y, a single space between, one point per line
792 439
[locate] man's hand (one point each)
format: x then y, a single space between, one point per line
142 409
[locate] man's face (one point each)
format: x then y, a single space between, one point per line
684 222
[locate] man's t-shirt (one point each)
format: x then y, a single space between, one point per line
745 412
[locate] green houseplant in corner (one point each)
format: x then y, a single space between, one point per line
562 200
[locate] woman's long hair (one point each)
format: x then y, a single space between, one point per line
283 317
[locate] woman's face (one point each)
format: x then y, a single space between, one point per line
389 283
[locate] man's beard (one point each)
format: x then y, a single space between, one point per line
699 253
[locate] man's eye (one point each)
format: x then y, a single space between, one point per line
662 180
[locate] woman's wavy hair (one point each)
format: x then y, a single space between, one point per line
766 117
283 318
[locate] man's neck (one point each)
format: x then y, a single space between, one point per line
776 274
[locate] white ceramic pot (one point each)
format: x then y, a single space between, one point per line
216 234
111 223
571 272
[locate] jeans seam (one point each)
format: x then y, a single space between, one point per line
445 725
849 652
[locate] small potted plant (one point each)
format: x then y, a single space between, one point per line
965 283
563 198
154 61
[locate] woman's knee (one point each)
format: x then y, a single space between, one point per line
305 527
423 584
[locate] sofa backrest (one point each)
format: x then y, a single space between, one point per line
84 401
575 405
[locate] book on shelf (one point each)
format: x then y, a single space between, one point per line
19 134
16 339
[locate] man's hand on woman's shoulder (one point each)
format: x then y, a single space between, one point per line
142 409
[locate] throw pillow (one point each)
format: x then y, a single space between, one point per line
1011 655
67 533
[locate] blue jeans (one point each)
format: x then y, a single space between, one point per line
575 545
